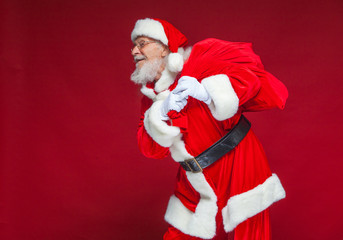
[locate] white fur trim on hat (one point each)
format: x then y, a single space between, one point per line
150 28
175 62
243 206
224 99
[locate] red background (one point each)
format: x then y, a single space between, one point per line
70 165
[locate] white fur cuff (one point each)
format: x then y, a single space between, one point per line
224 99
243 206
159 130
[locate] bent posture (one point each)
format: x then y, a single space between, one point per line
192 109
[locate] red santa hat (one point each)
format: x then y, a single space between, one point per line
166 33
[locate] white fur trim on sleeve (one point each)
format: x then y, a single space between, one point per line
224 99
159 130
150 28
243 206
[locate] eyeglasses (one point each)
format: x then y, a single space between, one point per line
141 44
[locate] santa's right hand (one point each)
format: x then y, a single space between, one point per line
173 102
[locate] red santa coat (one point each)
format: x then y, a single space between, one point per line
240 184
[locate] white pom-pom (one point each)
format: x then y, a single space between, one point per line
175 62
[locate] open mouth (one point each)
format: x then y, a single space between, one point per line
138 59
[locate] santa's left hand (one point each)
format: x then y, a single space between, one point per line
172 102
190 86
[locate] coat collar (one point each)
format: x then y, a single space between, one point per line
151 90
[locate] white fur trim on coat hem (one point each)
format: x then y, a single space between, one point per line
202 223
224 99
178 150
243 206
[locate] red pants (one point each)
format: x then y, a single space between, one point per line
255 228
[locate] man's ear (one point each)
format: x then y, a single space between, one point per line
165 51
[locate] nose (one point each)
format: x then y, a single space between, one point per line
135 50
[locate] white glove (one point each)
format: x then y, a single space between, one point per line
172 102
189 86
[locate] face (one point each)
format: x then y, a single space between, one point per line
147 50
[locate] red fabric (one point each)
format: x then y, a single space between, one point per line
175 38
235 173
147 146
70 165
254 86
255 228
243 168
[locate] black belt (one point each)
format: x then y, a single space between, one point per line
218 149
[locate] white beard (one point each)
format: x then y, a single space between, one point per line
148 72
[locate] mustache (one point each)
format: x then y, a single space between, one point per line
138 58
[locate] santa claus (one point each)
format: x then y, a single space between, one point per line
192 109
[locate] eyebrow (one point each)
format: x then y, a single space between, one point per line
139 40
